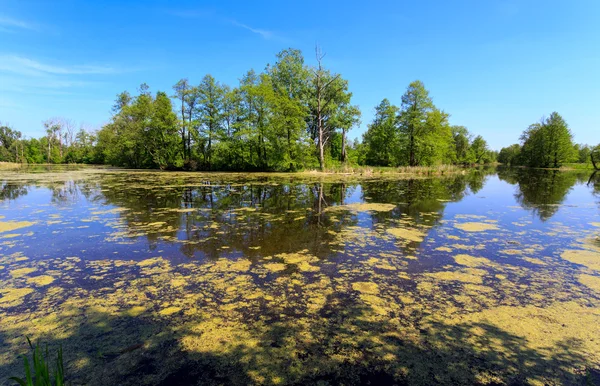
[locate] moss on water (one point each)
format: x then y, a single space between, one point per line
362 207
590 281
16 273
169 311
366 287
6 226
587 257
407 234
41 280
471 261
476 226
13 296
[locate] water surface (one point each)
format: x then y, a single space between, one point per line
486 276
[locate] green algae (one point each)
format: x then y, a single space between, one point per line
16 273
7 226
476 226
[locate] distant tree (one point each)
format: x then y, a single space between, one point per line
381 140
479 149
416 106
548 143
510 155
462 139
209 112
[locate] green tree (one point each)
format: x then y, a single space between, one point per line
415 109
381 139
209 110
548 143
510 155
462 139
479 148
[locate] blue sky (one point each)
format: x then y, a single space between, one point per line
495 65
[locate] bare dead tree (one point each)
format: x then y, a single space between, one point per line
323 99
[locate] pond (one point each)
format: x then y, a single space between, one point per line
482 277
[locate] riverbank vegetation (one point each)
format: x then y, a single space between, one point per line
289 117
549 144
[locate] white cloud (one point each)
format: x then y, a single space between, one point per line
192 13
7 24
25 66
264 33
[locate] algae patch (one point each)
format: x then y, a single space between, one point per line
6 226
20 272
476 226
41 280
366 287
590 281
407 234
471 261
364 207
587 257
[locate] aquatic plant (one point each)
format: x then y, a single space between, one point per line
39 374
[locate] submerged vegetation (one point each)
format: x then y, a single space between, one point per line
179 278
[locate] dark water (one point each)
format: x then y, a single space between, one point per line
488 276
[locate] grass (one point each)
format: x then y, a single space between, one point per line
39 374
578 166
376 170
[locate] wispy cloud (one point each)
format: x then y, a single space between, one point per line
190 13
199 13
264 33
8 24
25 66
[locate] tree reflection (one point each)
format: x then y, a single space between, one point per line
12 190
540 191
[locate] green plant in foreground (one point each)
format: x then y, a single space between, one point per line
41 373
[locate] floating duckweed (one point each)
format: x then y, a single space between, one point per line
533 260
169 310
467 276
471 261
6 226
407 234
13 296
364 207
443 249
275 267
16 273
366 287
556 324
135 311
476 226
511 252
590 281
587 257
41 280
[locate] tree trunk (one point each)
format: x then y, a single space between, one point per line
343 145
183 124
593 160
412 161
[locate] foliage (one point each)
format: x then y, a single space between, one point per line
289 117
547 143
41 375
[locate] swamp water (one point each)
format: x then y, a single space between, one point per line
485 277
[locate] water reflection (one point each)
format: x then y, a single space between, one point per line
168 278
541 191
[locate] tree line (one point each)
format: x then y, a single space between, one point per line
549 144
288 117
